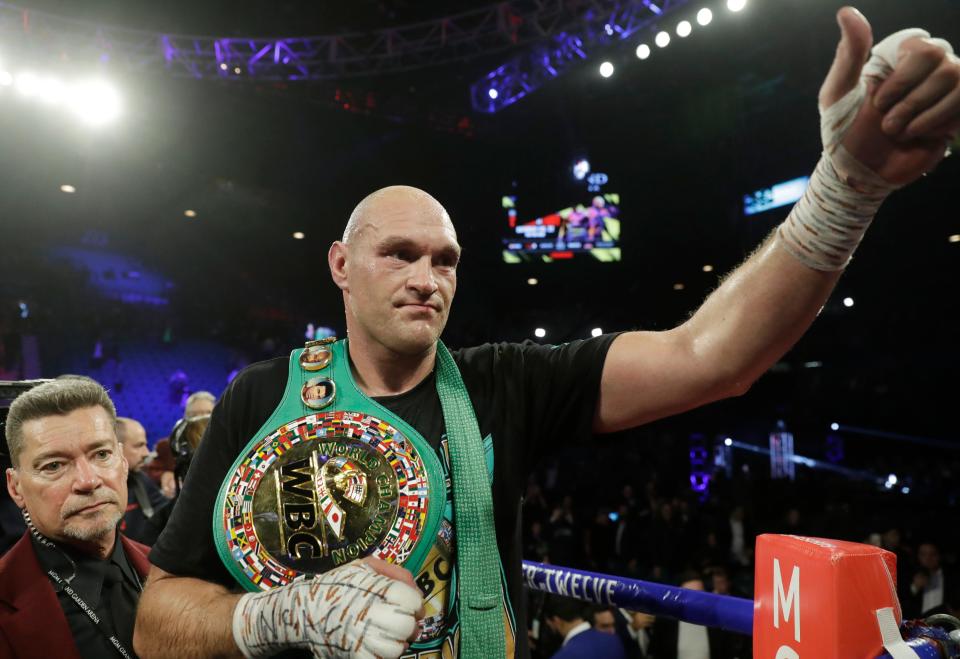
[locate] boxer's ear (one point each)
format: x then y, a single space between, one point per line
337 260
856 39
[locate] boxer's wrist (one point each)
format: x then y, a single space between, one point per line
337 614
827 224
254 628
843 196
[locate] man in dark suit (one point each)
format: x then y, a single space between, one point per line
566 617
931 589
144 498
631 627
681 640
69 587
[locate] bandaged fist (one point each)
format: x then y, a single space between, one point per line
894 110
352 611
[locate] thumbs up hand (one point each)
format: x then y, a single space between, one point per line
856 39
896 112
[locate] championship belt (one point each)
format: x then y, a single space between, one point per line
331 476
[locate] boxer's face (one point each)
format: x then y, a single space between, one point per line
401 275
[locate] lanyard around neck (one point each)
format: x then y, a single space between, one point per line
88 610
64 585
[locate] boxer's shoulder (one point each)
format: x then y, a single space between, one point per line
254 392
268 375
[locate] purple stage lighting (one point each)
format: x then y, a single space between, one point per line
492 93
562 51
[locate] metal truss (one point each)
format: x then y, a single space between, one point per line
440 41
551 35
601 23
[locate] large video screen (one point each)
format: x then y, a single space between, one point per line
590 229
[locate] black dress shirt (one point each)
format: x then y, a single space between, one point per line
110 587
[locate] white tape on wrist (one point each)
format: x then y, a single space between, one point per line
351 611
843 196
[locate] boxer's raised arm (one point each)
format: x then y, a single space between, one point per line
749 322
765 305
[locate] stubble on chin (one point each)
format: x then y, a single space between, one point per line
93 530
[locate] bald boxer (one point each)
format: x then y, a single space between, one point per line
884 125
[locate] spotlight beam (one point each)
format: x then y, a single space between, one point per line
949 444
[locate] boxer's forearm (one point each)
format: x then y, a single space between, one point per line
180 617
740 330
757 314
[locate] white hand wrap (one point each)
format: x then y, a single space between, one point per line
828 222
351 611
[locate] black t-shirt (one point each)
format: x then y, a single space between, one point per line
528 399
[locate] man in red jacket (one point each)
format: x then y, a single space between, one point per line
70 586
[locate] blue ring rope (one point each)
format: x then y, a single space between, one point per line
733 614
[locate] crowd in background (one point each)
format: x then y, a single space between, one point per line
627 508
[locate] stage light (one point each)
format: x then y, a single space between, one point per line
892 479
662 39
834 426
539 332
94 101
728 442
643 51
50 90
955 238
596 331
5 79
581 168
69 189
678 286
708 268
190 213
223 66
848 302
606 69
704 16
27 84
684 29
533 281
493 93
236 70
736 5
298 235
905 490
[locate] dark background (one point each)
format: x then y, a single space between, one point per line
683 136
